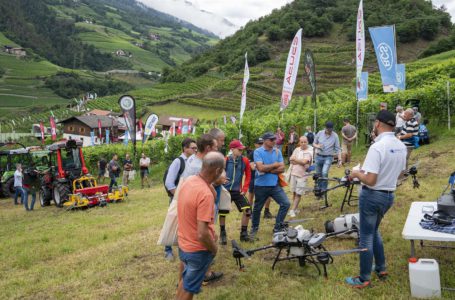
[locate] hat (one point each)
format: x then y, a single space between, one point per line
386 117
236 144
269 136
329 125
259 140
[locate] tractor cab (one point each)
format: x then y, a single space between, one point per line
68 158
8 160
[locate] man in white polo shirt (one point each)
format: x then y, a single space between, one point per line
385 160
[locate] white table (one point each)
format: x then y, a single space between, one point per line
413 231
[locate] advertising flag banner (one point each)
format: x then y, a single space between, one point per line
179 126
386 53
224 119
150 124
53 128
173 129
190 125
401 77
310 71
292 66
362 93
41 127
233 119
246 78
360 44
154 132
141 130
128 106
92 138
99 128
126 138
107 136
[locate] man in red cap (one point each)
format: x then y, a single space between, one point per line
237 166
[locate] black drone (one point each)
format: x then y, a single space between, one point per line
300 244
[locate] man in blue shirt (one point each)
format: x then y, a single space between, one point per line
269 163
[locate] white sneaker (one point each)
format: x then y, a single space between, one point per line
292 213
297 211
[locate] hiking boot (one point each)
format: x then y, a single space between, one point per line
357 283
268 215
212 277
223 238
244 237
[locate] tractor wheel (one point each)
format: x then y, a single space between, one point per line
8 188
45 197
61 192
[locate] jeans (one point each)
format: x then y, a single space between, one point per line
322 169
262 193
112 183
18 190
31 191
373 205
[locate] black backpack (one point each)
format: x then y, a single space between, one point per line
182 168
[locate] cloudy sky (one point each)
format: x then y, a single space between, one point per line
224 17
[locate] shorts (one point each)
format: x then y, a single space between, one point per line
101 172
346 147
195 265
144 172
240 201
298 185
251 187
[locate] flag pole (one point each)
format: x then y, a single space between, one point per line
448 104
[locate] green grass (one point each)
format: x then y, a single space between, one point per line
111 252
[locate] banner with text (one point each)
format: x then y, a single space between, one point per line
362 92
292 67
360 45
401 77
246 78
386 53
150 124
128 105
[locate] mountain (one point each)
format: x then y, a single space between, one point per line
101 35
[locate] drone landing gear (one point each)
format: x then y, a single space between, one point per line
348 197
326 202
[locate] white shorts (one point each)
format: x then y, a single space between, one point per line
298 185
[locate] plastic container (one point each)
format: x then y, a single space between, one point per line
424 278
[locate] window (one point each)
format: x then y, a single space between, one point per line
70 128
81 130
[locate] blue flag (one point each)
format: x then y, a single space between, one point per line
92 137
401 77
386 54
126 138
107 136
362 93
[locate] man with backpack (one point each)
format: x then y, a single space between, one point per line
172 177
237 166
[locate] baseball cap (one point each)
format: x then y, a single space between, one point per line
329 125
259 140
386 117
269 136
236 144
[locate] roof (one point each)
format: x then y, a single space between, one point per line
168 120
92 121
100 112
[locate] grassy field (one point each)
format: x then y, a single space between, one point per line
111 252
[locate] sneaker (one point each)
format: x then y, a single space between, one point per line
355 282
291 213
381 275
223 238
169 257
244 237
212 277
253 236
268 215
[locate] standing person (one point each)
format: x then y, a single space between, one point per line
417 115
399 119
114 171
269 163
292 141
301 160
220 137
327 144
309 135
31 186
384 162
409 134
127 168
144 164
18 188
349 134
172 179
279 138
102 163
237 166
383 106
196 230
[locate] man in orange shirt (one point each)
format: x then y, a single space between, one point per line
196 233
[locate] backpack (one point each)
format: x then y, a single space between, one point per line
177 179
310 137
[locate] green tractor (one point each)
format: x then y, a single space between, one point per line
8 160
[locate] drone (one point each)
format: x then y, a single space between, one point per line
300 244
412 171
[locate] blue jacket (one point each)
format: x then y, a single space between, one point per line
235 169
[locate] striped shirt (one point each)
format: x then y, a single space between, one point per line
411 126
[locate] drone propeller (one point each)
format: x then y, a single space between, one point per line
298 221
341 252
237 248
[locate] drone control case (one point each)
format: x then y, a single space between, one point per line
446 204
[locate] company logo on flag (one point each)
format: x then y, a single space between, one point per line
362 91
292 67
150 124
401 77
128 105
384 46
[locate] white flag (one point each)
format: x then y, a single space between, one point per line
360 44
292 66
246 77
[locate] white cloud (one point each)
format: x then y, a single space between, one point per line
449 4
